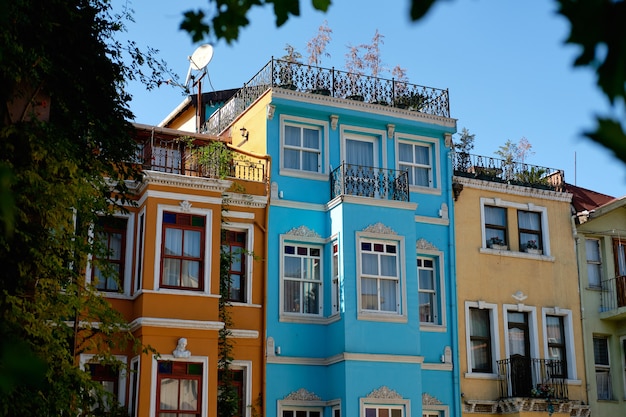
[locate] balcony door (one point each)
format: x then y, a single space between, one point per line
361 171
519 354
619 250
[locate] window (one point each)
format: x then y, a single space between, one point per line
619 251
236 380
416 160
234 246
555 331
302 279
431 414
335 277
480 340
603 367
134 387
495 225
108 377
139 256
179 389
594 263
108 269
379 276
182 252
529 227
429 310
384 411
302 148
293 412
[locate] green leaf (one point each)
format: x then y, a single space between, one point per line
419 8
610 133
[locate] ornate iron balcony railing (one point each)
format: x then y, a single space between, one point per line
331 82
510 172
530 377
178 157
613 293
362 181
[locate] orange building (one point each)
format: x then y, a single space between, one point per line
193 204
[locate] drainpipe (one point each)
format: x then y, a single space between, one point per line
268 192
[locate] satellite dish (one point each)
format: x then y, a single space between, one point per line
201 57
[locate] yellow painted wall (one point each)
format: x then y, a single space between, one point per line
493 277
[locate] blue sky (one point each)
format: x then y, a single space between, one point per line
504 63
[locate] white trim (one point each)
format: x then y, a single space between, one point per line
402 403
204 360
86 358
372 315
134 379
439 409
323 126
435 163
246 366
174 324
249 257
568 329
335 288
167 195
441 290
532 327
345 357
140 251
545 230
622 350
208 230
309 242
432 220
510 189
495 339
375 136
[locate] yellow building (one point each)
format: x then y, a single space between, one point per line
167 250
520 333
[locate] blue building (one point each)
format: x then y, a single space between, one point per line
361 318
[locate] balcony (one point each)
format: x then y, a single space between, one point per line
329 82
198 159
362 181
535 378
508 172
613 303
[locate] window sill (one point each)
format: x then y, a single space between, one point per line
429 327
317 176
424 190
304 319
480 375
515 254
388 317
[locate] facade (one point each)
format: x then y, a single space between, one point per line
360 303
166 253
521 350
600 244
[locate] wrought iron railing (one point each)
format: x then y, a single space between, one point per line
197 159
529 377
510 172
363 181
330 82
613 293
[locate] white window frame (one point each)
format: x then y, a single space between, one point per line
246 367
622 347
435 410
435 155
495 339
335 299
208 224
140 251
128 258
437 257
301 122
249 257
86 359
568 330
388 403
293 405
532 327
204 360
288 240
400 314
134 381
591 262
545 230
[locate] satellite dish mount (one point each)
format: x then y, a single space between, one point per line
198 61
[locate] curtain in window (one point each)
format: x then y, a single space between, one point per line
480 333
359 153
603 384
529 220
594 272
495 216
388 266
169 394
621 259
388 294
191 274
173 242
189 394
555 332
311 301
369 294
517 342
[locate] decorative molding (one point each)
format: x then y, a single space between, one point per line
443 211
380 228
334 119
384 393
302 395
245 200
181 350
183 181
270 111
185 206
303 231
428 399
391 129
447 139
423 244
519 296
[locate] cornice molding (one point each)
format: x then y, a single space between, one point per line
184 181
513 189
174 324
245 200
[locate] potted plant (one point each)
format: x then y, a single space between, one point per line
496 243
531 247
542 391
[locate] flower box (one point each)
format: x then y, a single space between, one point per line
498 247
534 251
